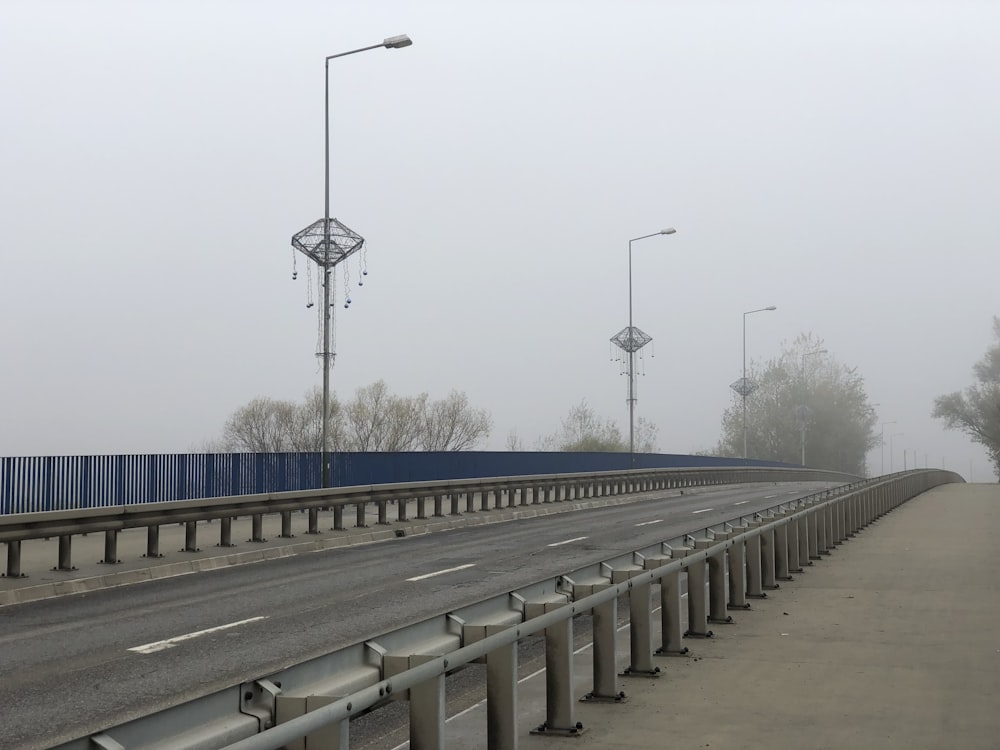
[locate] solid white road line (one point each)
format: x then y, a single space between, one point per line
703 510
650 523
559 544
152 648
441 572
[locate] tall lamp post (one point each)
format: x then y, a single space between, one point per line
329 245
631 340
745 388
893 435
804 411
883 444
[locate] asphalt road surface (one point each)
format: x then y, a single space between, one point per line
73 665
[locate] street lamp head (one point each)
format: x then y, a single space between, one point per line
770 307
668 230
395 42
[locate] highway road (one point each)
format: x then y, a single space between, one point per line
73 665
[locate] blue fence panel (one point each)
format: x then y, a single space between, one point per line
41 483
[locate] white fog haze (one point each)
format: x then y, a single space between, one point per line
837 160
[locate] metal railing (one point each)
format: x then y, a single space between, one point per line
490 492
310 704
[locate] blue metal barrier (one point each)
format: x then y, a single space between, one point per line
30 484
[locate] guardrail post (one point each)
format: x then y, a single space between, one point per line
191 537
286 525
792 531
427 714
257 528
153 541
335 736
338 517
768 564
803 532
558 676
501 694
813 521
823 530
640 613
313 521
738 571
717 583
14 559
697 611
65 553
359 514
781 551
671 637
843 530
754 583
470 502
383 513
226 532
439 506
401 509
110 547
421 507
605 627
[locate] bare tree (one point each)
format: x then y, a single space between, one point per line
261 426
583 430
374 420
514 442
452 425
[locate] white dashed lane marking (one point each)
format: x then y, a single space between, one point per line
152 648
703 510
575 539
441 572
649 523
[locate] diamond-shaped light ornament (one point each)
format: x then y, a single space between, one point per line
631 339
311 241
744 387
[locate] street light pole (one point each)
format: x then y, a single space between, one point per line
769 308
894 435
393 42
883 444
806 409
632 349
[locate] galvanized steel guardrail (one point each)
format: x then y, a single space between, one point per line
309 705
493 492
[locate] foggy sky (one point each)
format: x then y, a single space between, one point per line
838 160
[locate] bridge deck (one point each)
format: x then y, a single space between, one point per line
891 642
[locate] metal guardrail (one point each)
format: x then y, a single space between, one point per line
498 491
309 705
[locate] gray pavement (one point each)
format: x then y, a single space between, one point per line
39 556
889 642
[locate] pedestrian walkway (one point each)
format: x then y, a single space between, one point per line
889 642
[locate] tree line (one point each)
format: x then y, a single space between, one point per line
806 408
373 420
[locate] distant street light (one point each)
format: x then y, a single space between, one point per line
804 411
327 247
893 435
631 340
883 444
745 387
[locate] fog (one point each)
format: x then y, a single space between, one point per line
837 160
